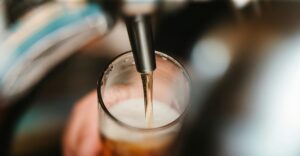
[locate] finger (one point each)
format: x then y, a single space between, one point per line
90 142
76 122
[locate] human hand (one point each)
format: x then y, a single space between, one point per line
81 137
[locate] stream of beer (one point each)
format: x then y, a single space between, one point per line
147 80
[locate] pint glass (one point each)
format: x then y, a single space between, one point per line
122 126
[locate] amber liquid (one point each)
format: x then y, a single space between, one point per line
121 141
154 147
147 80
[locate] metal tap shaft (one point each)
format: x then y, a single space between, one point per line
141 40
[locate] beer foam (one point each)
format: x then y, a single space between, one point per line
132 112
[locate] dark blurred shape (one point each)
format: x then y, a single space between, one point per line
17 8
35 124
178 30
254 109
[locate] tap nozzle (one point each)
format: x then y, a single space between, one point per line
141 40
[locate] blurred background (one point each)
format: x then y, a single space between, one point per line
243 57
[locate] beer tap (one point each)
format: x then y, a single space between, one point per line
137 16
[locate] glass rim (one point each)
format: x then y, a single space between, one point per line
123 124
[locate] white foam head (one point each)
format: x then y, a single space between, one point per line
132 113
